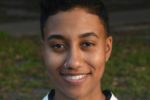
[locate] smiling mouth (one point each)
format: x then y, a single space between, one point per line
75 79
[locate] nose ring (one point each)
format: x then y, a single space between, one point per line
65 66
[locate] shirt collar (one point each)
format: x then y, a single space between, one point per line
108 94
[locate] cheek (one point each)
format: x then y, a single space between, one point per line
97 60
52 60
98 57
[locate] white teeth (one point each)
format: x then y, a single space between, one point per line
76 77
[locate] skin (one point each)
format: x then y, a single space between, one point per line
76 39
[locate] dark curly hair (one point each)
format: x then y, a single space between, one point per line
51 7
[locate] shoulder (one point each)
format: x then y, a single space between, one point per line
50 95
108 94
46 97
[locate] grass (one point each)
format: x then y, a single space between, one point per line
23 76
21 70
129 68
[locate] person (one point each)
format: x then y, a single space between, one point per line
76 46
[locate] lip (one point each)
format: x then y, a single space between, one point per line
74 79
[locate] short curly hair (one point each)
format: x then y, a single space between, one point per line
51 7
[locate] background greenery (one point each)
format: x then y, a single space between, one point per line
23 76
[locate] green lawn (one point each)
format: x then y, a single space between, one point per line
23 76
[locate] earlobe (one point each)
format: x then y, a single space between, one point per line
109 41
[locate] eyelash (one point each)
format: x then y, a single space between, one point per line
56 46
87 44
61 47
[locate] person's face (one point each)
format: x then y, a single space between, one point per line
75 51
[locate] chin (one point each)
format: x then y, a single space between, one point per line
74 93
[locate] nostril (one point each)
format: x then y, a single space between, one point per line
73 59
72 64
66 66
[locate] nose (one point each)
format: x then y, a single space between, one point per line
74 59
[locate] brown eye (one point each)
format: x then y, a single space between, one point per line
87 44
57 46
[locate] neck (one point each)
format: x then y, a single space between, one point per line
95 94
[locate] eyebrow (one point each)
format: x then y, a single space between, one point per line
55 36
51 37
88 35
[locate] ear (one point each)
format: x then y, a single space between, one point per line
109 42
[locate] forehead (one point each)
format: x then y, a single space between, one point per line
74 22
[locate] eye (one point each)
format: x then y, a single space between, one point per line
87 44
57 46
